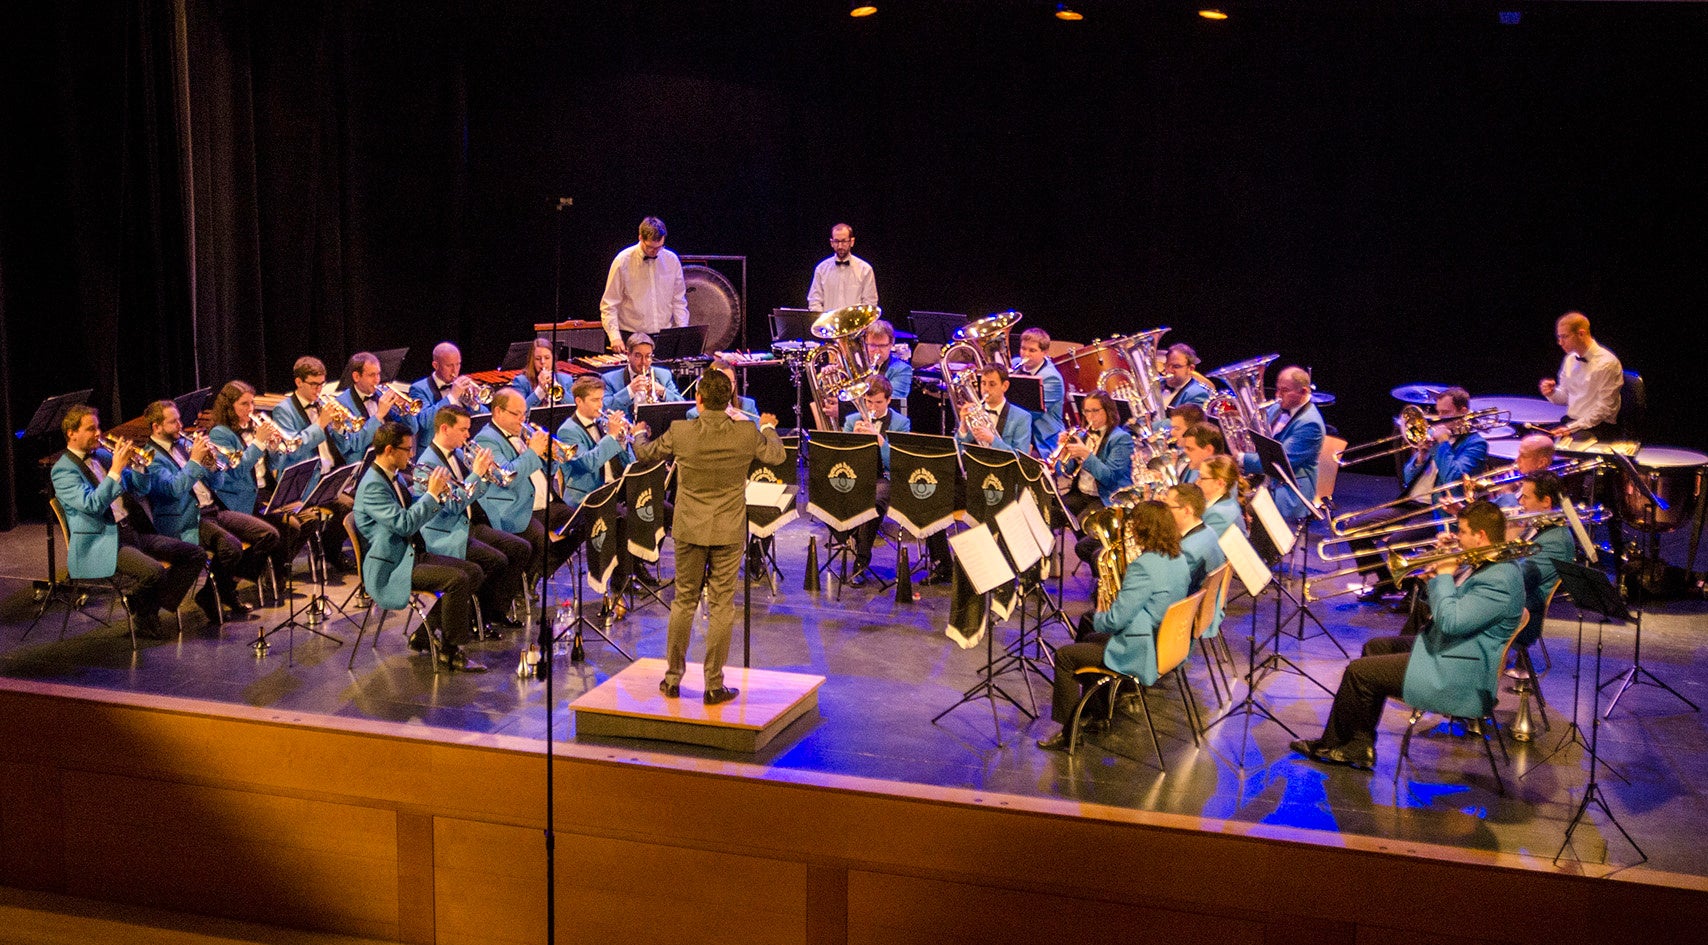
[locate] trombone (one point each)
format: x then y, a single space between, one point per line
1414 426
1343 525
1401 567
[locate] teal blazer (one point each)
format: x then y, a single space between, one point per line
93 533
896 423
1455 664
1225 512
172 496
1111 466
236 486
1302 438
1151 584
583 473
1203 554
509 507
1046 425
1013 431
448 532
386 528
1540 576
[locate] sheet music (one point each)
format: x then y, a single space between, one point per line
772 495
1022 547
982 560
1578 531
1041 532
1250 568
1279 531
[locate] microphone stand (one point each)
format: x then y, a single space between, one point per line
544 635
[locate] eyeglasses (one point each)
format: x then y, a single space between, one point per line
840 242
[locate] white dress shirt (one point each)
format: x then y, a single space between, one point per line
643 294
1589 387
839 286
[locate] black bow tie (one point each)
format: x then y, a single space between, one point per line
843 262
1581 358
648 258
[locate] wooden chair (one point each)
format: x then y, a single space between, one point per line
1173 645
416 607
1527 680
74 592
1491 698
1215 648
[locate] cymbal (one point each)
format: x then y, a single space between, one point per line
1424 394
1322 398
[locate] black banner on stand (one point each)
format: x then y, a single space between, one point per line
603 514
643 492
923 474
842 478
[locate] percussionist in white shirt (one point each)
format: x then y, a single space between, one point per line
645 290
1589 382
843 279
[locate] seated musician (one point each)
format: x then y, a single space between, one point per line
639 382
527 506
462 530
1223 489
880 354
1181 419
1200 442
744 404
103 541
181 501
1590 383
1034 361
539 375
390 522
1197 540
241 486
600 457
365 396
301 415
436 388
1535 454
883 421
1123 638
1448 664
1295 422
1181 384
1101 464
1540 494
1010 427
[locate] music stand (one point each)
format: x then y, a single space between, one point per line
1635 676
593 500
763 522
676 344
658 417
923 473
517 355
991 570
322 497
1027 393
842 492
1272 459
792 324
1254 576
1591 591
935 328
191 405
391 363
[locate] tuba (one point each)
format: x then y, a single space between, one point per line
989 337
1239 409
1143 382
839 367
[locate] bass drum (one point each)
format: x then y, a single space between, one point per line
714 303
1676 476
1082 366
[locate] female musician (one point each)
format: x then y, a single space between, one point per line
240 487
1101 464
1224 494
1123 638
538 376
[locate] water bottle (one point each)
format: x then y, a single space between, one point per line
561 629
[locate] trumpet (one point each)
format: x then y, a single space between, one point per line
1068 438
1414 426
143 455
561 452
421 472
342 419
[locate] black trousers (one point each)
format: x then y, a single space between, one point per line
866 533
224 533
1068 687
454 581
545 523
161 570
503 558
1365 687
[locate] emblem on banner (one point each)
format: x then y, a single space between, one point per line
922 484
643 506
842 477
600 532
993 491
763 474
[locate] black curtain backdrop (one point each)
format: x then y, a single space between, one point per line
200 190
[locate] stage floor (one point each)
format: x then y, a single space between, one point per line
889 669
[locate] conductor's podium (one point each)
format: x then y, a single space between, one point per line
629 705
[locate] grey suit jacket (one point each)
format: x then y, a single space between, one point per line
712 454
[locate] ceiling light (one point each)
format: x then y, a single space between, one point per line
1063 13
1212 14
862 9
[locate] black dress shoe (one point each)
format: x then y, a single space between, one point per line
1360 759
715 696
458 662
1056 742
418 641
1306 747
505 622
858 579
939 576
645 578
670 690
1095 727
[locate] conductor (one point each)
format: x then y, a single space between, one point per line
713 453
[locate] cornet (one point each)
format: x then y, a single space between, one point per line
281 443
342 419
495 474
1068 438
143 455
224 459
421 472
561 452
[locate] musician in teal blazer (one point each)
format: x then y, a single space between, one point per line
447 533
389 521
541 365
1199 543
362 387
1453 455
620 384
1123 638
1540 493
1452 667
1301 437
1221 484
1110 466
585 471
234 416
171 487
1034 361
1013 424
291 416
511 508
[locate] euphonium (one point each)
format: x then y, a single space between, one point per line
834 367
964 395
143 455
1239 410
342 419
1109 527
